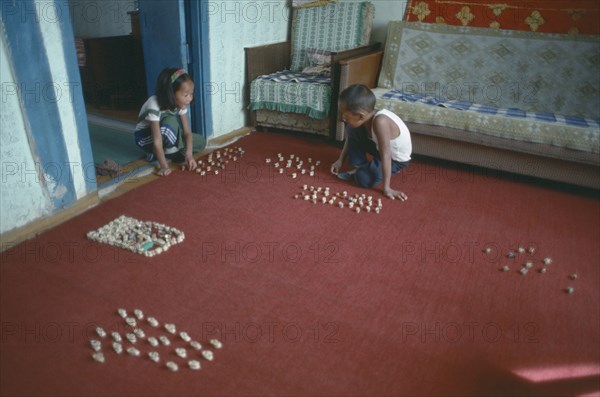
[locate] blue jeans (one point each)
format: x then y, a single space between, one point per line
368 173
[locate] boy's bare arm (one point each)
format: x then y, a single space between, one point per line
337 165
383 128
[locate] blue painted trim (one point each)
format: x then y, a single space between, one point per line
162 25
79 110
197 21
35 86
184 39
205 65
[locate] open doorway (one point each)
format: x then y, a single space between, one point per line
111 64
122 47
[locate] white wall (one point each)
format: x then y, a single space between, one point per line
22 198
105 18
385 11
234 25
45 159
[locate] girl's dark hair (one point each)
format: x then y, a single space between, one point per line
165 89
358 97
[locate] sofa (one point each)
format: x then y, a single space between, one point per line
519 102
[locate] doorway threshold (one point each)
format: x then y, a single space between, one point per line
134 178
141 172
104 121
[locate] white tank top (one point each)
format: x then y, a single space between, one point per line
401 146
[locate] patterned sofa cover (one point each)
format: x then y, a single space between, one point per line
523 93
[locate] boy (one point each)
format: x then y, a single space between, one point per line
382 134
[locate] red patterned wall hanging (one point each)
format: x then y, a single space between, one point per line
547 16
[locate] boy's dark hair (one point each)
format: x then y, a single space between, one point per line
358 97
165 88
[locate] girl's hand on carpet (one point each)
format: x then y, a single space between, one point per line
335 167
393 194
191 163
164 171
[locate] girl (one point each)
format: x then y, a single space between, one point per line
162 119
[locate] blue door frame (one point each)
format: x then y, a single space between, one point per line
173 35
199 67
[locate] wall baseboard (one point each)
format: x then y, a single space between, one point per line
228 139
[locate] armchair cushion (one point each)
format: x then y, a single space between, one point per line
319 62
318 57
292 93
317 32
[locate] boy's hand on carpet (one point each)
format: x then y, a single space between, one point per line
393 194
335 167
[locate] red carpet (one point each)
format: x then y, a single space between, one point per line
310 299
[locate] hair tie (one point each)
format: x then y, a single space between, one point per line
176 75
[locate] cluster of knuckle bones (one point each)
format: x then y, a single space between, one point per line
294 165
217 161
529 263
137 334
140 237
356 202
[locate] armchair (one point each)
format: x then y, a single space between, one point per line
282 96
